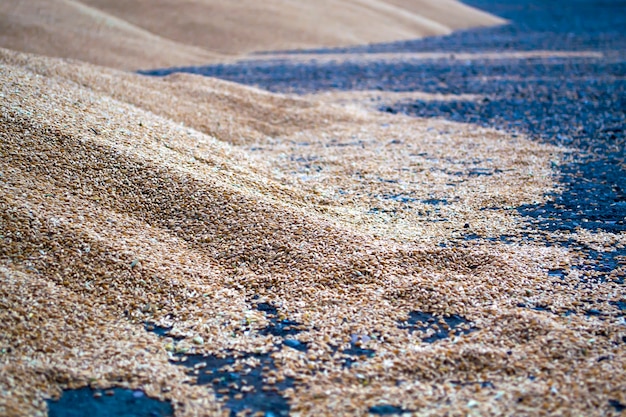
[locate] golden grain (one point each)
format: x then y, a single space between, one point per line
120 204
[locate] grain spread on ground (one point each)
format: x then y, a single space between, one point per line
189 203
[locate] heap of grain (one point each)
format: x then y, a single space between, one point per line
179 201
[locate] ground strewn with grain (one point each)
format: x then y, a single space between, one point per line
229 250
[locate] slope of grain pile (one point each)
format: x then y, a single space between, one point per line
183 201
150 34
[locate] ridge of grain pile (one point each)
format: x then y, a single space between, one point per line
145 34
